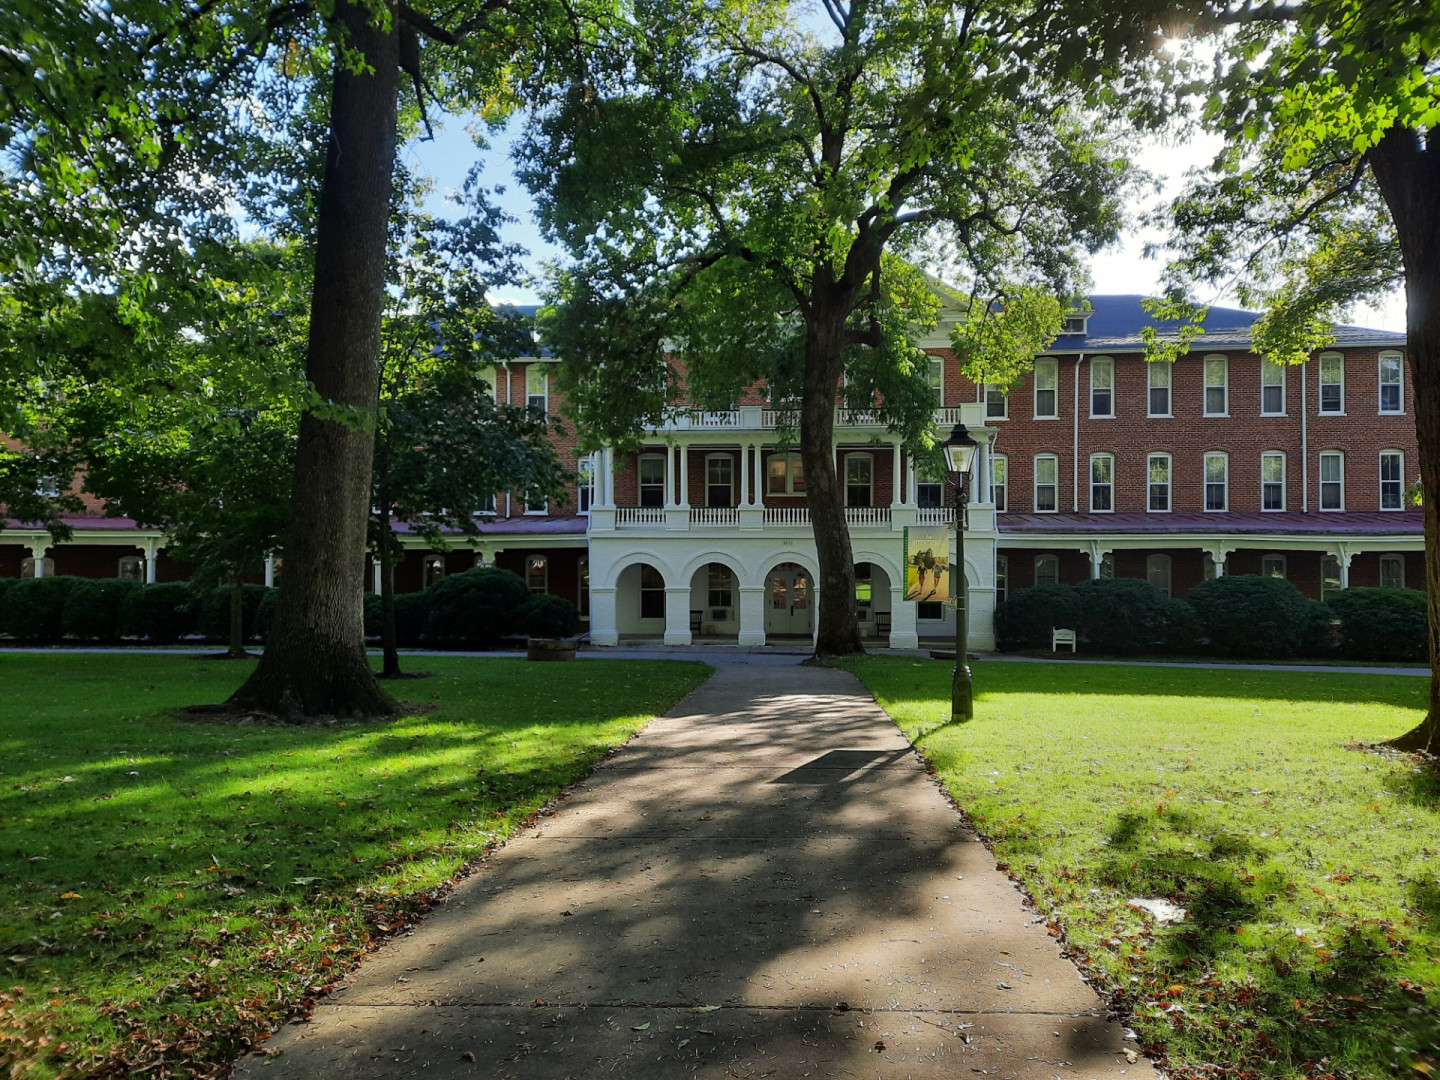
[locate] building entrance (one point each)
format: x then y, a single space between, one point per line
790 601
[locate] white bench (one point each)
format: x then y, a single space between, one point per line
1061 637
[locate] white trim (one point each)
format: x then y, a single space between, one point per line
1380 474
1109 364
1284 500
985 392
1380 384
1169 481
1102 456
1003 460
1169 388
1320 409
1338 455
869 485
533 370
729 459
1206 385
1205 481
1054 483
1272 366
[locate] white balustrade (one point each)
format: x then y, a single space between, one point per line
868 515
714 515
787 515
639 516
934 515
724 419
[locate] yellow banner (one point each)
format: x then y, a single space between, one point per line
927 564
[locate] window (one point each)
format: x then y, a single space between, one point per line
1157 467
132 568
1047 469
1329 576
652 480
784 475
930 610
28 568
537 388
1102 386
1272 565
1002 578
864 585
720 586
486 505
1392 571
719 480
997 403
929 493
585 487
1272 388
1392 386
935 373
536 504
858 479
652 593
1272 480
1332 383
432 570
1332 480
582 571
1047 570
1157 572
487 376
1107 567
999 485
537 573
1217 482
1392 480
1102 483
1217 386
1159 375
1047 379
48 487
1074 324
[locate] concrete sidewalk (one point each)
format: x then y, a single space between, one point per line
765 882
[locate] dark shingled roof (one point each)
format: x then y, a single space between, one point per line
1404 524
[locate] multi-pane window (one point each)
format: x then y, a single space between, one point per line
1332 480
719 480
1217 481
652 593
1272 564
537 388
784 475
1102 483
935 374
1157 497
1392 386
1217 386
132 568
1272 480
859 480
1392 480
1157 572
1102 386
1332 383
1047 570
1272 388
1047 382
1392 571
1159 375
1047 472
537 573
720 586
432 569
585 487
929 493
487 376
1000 481
1002 578
652 480
536 504
1329 576
1107 566
997 403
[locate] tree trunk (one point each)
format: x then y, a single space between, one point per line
237 617
838 632
1408 173
389 646
315 663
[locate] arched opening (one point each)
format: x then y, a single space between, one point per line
640 602
714 602
789 602
872 600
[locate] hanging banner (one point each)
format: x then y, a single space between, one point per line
927 564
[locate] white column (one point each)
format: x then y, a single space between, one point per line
270 572
1343 554
760 474
677 615
603 628
903 630
152 552
37 552
752 615
684 477
744 474
377 583
912 483
669 476
897 492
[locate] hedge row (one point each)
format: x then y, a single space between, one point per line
476 608
1241 615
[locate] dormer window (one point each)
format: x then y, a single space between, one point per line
1074 324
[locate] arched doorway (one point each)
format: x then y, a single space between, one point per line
872 600
789 602
714 602
640 602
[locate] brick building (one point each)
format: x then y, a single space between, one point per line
1097 464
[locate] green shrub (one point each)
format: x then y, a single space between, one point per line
34 609
5 583
373 614
213 618
1025 619
1126 615
474 608
162 614
411 612
1183 632
95 609
1253 615
1383 624
1322 632
265 613
547 616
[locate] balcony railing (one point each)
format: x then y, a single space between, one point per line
714 515
639 516
769 419
934 515
868 515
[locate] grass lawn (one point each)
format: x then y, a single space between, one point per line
1309 870
171 889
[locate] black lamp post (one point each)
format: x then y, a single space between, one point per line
960 450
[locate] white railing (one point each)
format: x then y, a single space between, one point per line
773 418
787 515
934 515
948 417
639 515
724 419
714 515
856 418
867 515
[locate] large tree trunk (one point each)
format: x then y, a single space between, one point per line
838 632
1409 176
315 662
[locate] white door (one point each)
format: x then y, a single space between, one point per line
789 601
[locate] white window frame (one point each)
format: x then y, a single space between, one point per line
136 562
1274 557
1328 456
997 395
1047 557
540 371
1398 482
641 486
1151 367
542 562
1272 455
1337 358
1269 369
1207 385
1151 485
1224 459
1104 364
1398 383
1054 484
868 483
1051 367
490 375
729 461
727 589
935 376
1394 558
1160 565
792 462
1000 466
1109 460
584 488
536 507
